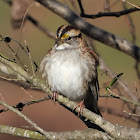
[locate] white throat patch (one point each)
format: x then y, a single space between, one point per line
62 46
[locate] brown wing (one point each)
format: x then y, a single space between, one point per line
91 100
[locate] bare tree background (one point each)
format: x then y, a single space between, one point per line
23 45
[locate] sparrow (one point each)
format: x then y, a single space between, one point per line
70 69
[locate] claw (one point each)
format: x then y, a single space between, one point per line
81 106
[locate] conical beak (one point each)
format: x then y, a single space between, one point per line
59 41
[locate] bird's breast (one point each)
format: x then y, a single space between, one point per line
68 74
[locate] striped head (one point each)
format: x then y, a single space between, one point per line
67 37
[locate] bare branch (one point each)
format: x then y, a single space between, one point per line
104 14
21 132
112 95
81 134
119 83
24 117
91 30
132 26
21 105
40 27
119 113
131 4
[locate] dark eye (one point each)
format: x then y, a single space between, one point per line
69 38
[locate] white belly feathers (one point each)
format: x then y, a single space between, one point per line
65 75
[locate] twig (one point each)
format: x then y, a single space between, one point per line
131 114
23 20
131 4
14 54
118 113
41 27
120 84
103 14
31 60
28 93
24 117
107 5
132 26
9 79
20 105
113 95
2 97
10 72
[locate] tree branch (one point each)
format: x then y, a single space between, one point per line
77 134
120 83
119 113
25 118
112 95
106 14
21 105
113 130
41 27
21 132
91 30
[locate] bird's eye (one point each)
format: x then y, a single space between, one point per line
69 38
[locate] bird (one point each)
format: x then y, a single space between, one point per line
70 69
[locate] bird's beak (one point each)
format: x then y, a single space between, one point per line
60 44
59 41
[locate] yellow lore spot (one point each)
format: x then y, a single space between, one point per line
64 36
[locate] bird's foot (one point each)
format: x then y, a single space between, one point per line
81 106
54 95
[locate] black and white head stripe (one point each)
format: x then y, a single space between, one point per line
69 30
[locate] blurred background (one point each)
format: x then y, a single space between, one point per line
49 115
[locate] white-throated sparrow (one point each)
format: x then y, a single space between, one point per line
70 68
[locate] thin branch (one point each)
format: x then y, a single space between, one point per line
131 114
113 95
25 118
41 27
131 4
21 105
104 14
118 113
120 84
132 26
10 72
107 5
14 53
